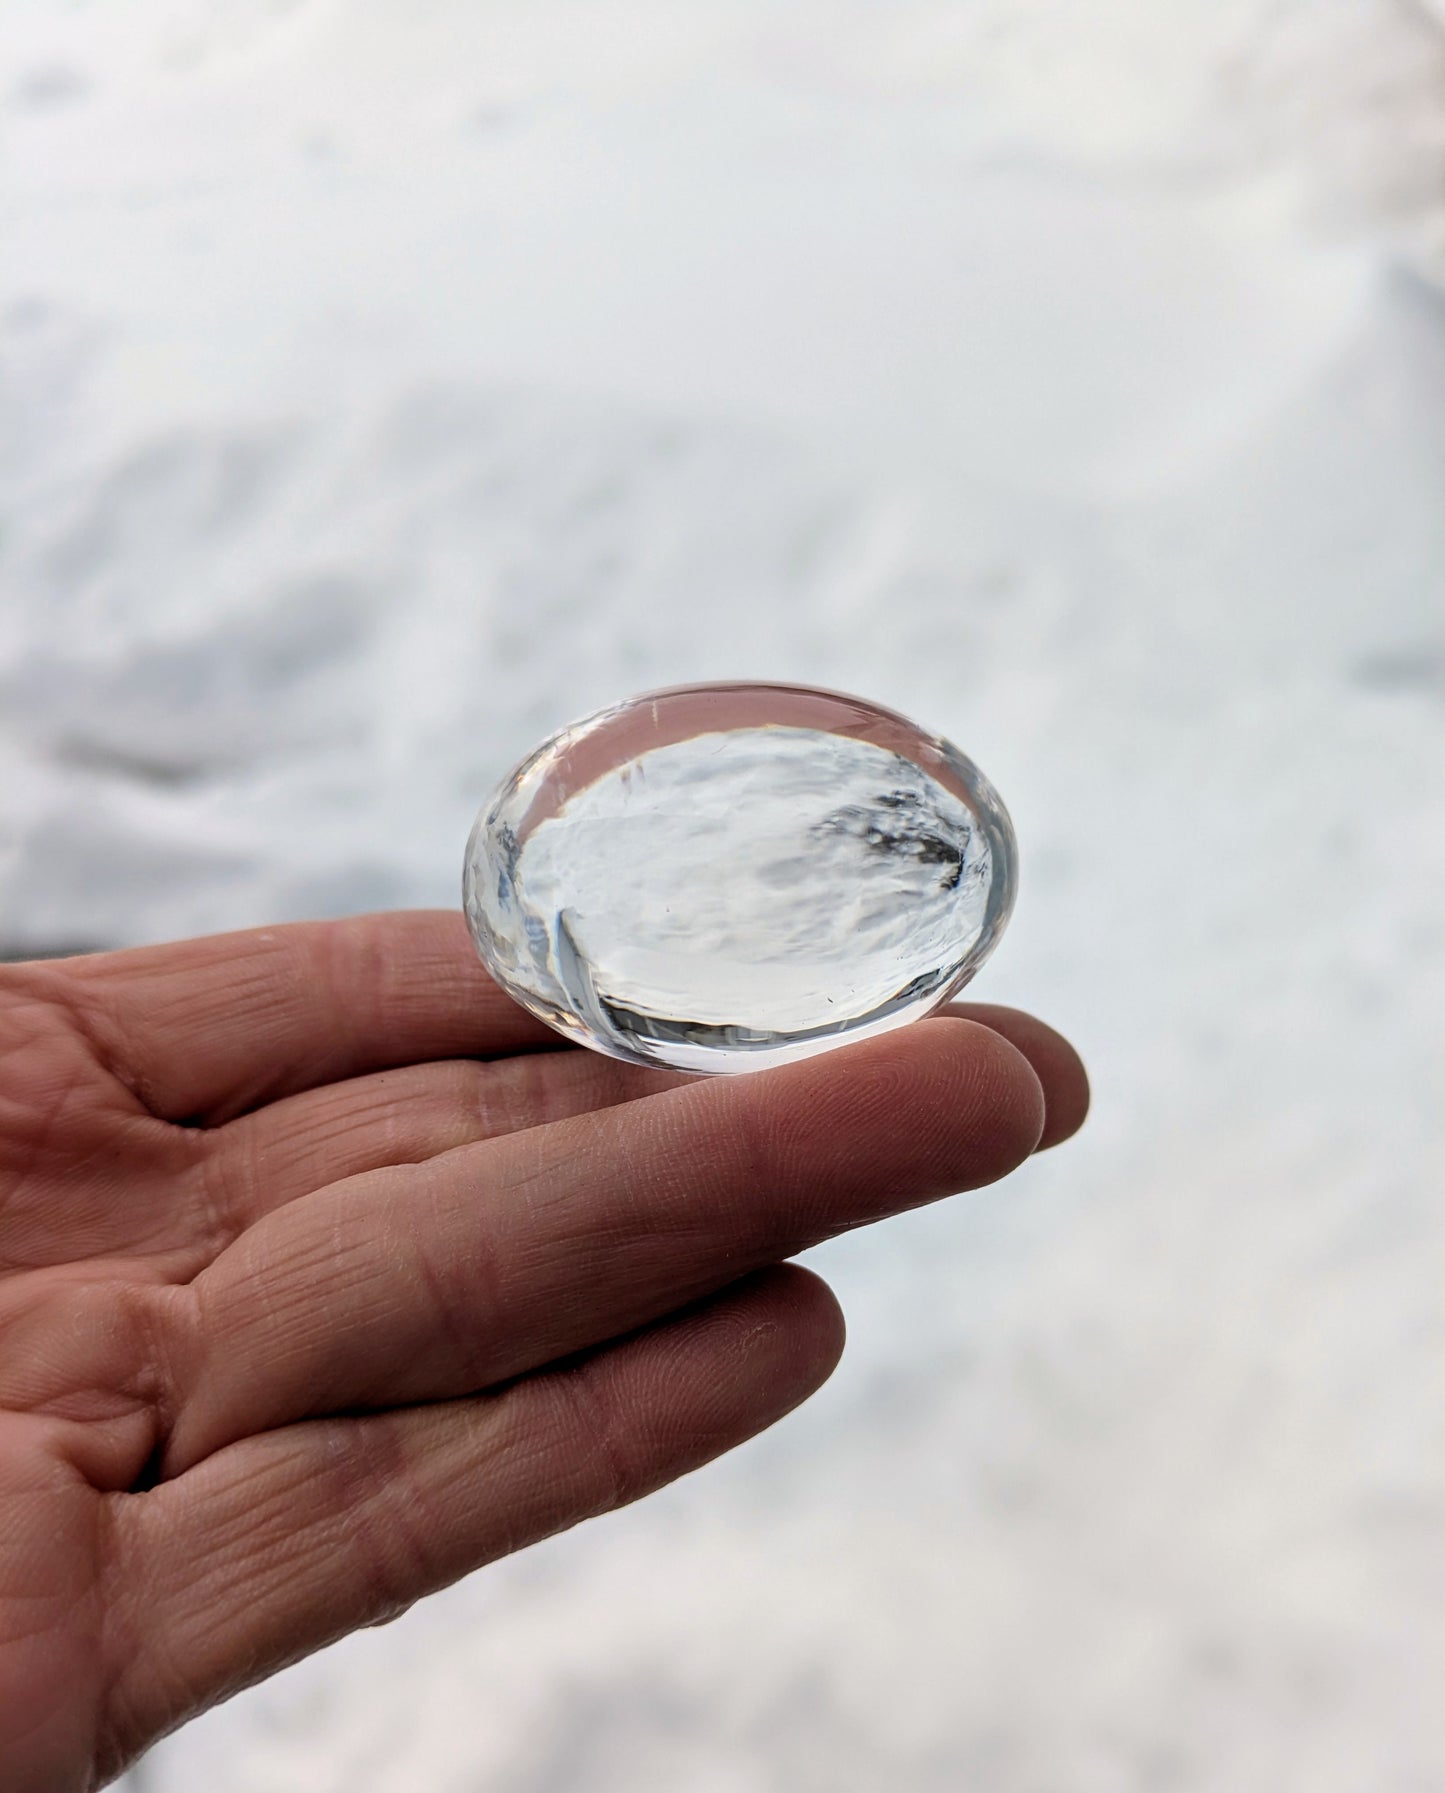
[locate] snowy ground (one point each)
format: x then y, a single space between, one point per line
384 385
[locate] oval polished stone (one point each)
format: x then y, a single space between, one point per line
725 877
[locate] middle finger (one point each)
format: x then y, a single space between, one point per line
291 1148
431 1280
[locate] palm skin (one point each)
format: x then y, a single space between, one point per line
327 1274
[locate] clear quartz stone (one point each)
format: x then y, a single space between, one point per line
725 877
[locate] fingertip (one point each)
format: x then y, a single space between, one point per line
1003 1108
1069 1097
942 1105
1055 1061
813 1312
723 1370
790 1332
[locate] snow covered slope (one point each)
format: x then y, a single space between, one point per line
383 386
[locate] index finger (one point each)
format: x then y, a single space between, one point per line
203 1030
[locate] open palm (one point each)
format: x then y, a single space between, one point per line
327 1274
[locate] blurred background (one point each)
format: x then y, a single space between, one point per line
387 384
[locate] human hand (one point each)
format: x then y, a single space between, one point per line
327 1274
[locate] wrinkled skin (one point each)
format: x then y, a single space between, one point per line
327 1274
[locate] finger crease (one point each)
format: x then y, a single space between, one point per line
597 1425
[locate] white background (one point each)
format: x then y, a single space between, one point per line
385 385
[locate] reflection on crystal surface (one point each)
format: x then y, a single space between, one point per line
725 877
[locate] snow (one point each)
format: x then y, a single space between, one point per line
384 386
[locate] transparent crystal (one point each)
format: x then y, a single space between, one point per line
727 877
